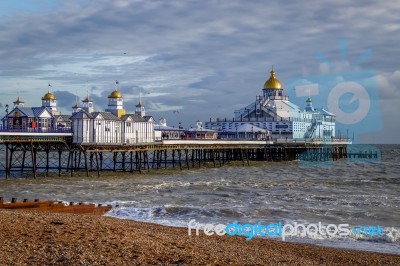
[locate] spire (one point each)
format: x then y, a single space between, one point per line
140 110
272 72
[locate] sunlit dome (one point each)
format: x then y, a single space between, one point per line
49 96
272 82
115 94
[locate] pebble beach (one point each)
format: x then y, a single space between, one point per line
40 238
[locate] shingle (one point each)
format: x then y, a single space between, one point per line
135 118
26 110
64 118
106 116
39 110
81 114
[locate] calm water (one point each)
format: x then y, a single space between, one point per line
355 193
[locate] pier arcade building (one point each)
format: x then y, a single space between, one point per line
114 126
45 118
274 112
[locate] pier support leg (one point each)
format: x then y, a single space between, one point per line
146 160
86 164
97 164
7 162
165 158
180 158
187 158
140 162
23 159
131 161
33 154
115 154
47 161
71 157
59 163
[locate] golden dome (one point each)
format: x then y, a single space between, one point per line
115 94
272 82
49 96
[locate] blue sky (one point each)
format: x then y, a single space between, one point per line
202 58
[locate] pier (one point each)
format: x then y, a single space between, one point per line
45 154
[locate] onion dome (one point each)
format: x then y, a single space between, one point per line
115 94
49 96
272 82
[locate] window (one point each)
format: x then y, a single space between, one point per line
128 124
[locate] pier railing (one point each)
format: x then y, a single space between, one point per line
37 130
319 141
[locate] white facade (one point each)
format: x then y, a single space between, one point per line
137 129
106 129
81 127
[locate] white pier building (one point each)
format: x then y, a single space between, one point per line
283 119
114 126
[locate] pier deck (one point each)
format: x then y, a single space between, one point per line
32 153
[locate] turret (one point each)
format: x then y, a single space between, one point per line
116 104
49 100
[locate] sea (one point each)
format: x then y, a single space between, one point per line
347 191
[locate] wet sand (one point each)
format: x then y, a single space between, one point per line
38 238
